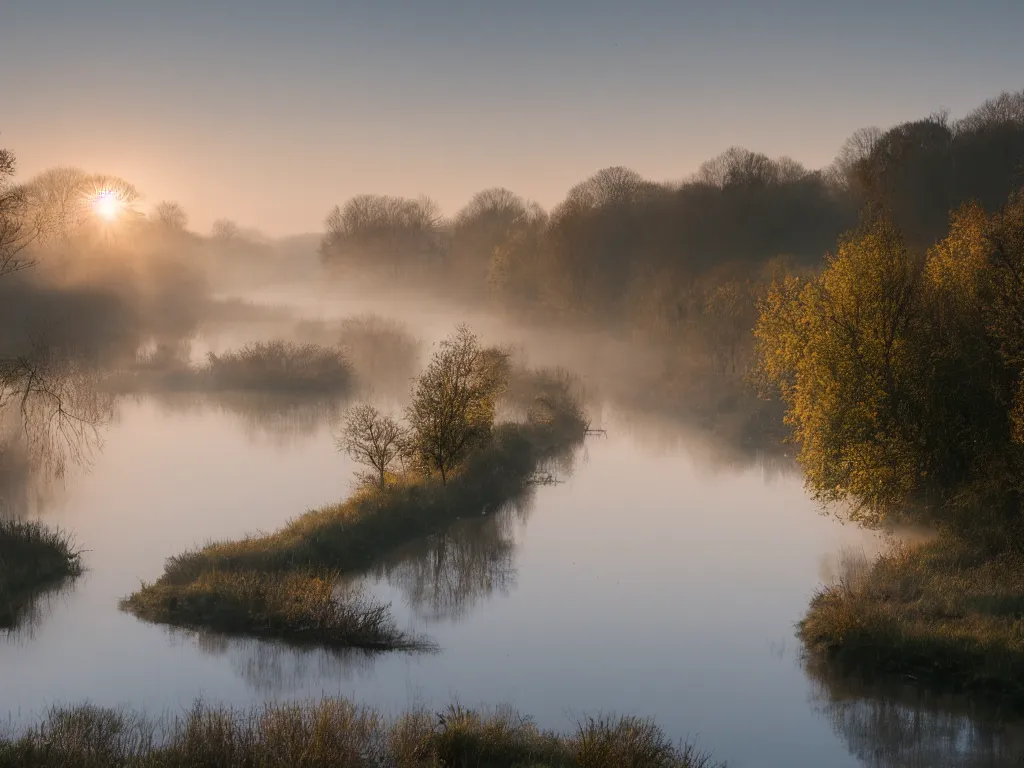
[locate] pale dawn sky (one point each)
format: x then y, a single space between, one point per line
271 112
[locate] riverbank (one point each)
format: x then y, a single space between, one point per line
945 615
33 559
285 585
340 734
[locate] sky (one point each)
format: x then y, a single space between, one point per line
270 113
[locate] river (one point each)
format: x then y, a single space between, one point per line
659 576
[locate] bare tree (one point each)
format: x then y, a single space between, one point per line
60 201
496 203
453 403
739 167
372 438
855 150
224 230
789 171
52 406
1007 107
49 405
376 229
172 216
609 186
15 229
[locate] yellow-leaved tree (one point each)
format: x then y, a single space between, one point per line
454 401
888 362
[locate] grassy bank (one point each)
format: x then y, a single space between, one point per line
339 734
947 614
283 585
33 560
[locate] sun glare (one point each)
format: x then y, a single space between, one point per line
107 205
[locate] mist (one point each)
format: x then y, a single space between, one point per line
627 311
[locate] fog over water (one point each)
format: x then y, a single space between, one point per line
161 389
662 575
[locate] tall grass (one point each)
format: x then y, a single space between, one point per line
339 734
303 607
243 586
947 614
33 559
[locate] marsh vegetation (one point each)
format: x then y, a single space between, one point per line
457 463
340 734
944 614
34 560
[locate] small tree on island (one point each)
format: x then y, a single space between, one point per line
372 438
454 401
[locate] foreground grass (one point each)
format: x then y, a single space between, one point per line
339 734
284 585
947 614
33 559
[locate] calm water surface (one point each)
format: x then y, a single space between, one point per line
656 579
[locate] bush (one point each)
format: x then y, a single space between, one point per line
280 366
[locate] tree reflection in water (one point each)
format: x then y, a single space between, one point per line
903 727
31 616
272 668
51 415
445 575
284 420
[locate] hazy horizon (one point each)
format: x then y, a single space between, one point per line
271 115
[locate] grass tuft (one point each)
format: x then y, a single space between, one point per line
302 607
34 559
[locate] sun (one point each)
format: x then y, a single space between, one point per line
107 205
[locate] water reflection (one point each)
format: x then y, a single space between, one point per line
442 577
283 420
24 490
445 575
51 418
901 726
30 616
271 668
719 446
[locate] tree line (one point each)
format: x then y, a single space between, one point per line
689 257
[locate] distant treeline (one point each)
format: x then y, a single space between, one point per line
620 247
